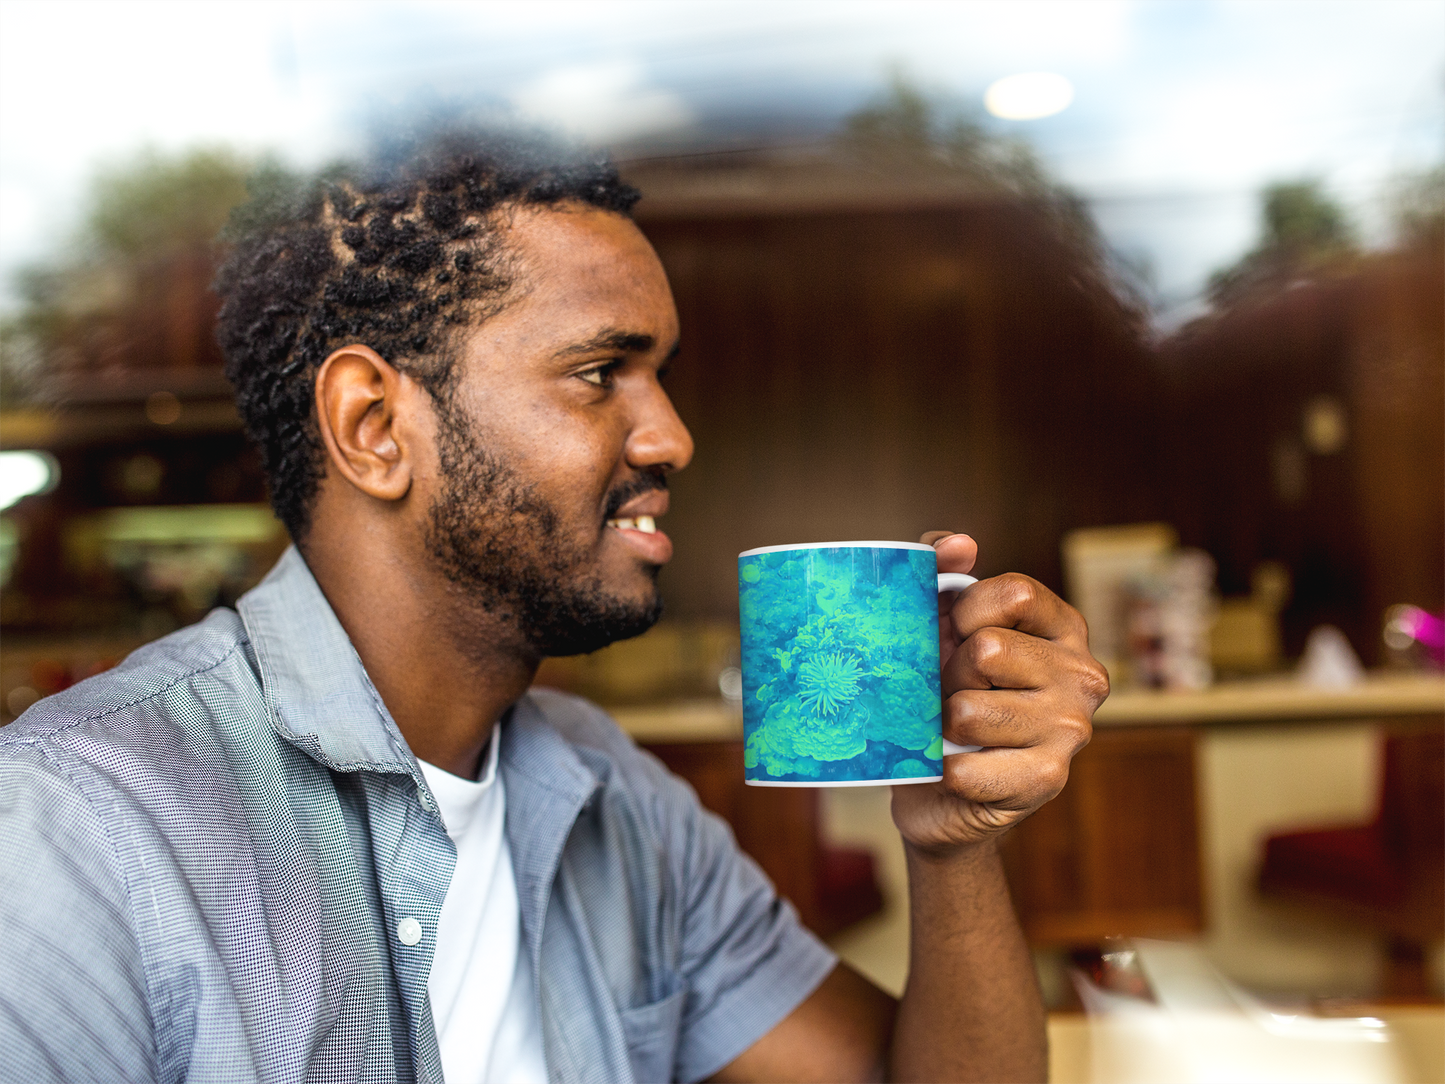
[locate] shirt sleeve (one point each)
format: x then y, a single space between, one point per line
747 958
72 990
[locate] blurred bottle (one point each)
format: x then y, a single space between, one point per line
1168 619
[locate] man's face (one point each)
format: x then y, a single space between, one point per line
553 451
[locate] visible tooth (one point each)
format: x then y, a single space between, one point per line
621 524
646 524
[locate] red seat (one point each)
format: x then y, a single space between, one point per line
1350 864
847 887
1389 873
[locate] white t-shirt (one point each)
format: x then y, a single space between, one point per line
482 994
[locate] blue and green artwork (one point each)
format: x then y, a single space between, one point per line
840 664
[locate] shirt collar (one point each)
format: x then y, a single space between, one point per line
318 692
322 700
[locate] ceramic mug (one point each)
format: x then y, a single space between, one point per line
840 664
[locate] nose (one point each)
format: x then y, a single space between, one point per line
658 437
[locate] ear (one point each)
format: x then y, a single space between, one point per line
361 408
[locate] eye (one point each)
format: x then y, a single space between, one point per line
601 375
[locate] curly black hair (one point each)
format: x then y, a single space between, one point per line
397 254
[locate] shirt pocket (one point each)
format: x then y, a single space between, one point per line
652 1033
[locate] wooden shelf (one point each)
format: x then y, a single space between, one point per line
1380 695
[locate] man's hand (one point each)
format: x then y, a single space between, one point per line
1018 680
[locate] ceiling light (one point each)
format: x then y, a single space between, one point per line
24 473
1029 96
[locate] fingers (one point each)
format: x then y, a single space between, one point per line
1015 601
997 658
1009 718
956 552
1015 693
1019 681
1010 779
1002 719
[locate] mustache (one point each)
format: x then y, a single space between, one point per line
634 487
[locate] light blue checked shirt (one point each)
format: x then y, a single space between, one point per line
205 854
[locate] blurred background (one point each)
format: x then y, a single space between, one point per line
1145 296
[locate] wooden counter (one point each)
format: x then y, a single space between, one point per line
1379 696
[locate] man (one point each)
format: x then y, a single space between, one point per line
333 836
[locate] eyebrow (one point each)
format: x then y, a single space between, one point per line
631 342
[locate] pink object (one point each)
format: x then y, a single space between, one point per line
1427 629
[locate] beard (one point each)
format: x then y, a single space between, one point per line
496 540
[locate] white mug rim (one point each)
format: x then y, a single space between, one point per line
872 545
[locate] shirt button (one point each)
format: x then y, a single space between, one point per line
408 931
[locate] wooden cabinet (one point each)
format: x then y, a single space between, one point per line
1117 853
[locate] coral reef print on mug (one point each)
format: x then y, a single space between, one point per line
840 664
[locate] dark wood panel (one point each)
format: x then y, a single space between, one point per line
876 375
1359 528
1397 386
1117 853
1412 799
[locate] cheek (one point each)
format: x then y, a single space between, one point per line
578 455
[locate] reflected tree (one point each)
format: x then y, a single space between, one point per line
1303 233
1418 209
130 288
907 131
907 127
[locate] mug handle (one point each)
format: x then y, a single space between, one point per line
956 581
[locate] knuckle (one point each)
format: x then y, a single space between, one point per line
1019 591
957 710
1095 681
1065 733
1080 733
987 645
1054 777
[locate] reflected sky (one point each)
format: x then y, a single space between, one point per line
1182 109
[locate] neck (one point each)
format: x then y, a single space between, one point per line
444 690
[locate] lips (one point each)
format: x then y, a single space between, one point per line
634 520
631 509
645 524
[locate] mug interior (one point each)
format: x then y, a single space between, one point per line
873 545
